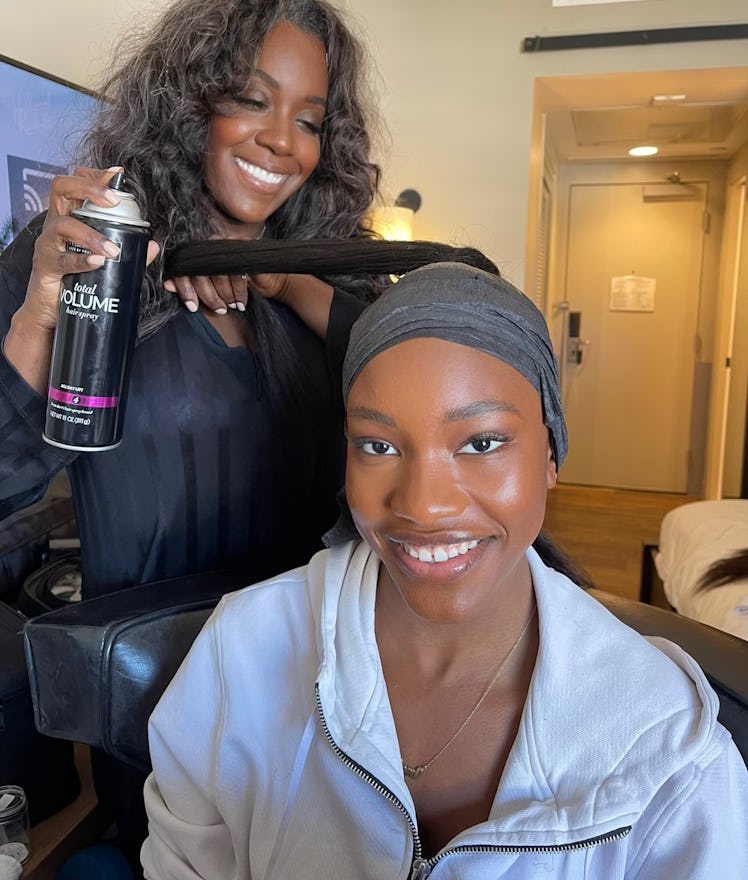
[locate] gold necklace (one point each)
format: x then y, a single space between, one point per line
415 772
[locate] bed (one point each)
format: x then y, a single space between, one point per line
692 538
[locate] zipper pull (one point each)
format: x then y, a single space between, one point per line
420 869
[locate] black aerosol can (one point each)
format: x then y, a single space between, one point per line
96 330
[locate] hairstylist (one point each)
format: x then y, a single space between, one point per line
233 119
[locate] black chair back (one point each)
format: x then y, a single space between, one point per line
99 667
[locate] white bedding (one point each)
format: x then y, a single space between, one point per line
693 537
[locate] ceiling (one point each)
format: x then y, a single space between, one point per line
695 114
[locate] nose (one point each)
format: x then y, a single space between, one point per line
427 493
277 135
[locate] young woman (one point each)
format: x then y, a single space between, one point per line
436 697
233 119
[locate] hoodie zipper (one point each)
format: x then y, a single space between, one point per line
421 868
370 779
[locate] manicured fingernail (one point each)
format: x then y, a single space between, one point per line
111 196
170 286
96 261
190 306
231 305
111 248
241 307
221 311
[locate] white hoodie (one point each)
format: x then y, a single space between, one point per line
275 754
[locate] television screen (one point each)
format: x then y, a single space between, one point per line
41 122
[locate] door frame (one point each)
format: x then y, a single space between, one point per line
734 227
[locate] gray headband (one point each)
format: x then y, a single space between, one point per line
457 303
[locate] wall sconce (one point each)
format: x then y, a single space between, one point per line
395 222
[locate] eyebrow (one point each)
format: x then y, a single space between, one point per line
479 408
274 84
372 415
457 414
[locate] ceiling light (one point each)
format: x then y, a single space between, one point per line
668 99
643 151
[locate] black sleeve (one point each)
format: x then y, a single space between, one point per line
27 463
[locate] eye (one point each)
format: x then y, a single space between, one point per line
375 447
311 127
252 103
482 445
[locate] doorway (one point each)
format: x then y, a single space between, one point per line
633 273
585 124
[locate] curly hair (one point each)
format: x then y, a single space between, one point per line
158 103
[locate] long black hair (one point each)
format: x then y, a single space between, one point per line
323 258
725 571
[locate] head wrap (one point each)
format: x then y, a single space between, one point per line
458 303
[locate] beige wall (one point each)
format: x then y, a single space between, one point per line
455 89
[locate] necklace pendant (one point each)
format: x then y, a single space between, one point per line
413 772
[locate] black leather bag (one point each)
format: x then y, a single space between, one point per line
43 767
99 667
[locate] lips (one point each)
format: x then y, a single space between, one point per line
439 552
261 175
443 561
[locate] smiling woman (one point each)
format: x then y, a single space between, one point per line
437 696
264 143
446 485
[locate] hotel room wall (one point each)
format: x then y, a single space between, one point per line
458 96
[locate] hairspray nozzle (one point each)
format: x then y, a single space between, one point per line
117 181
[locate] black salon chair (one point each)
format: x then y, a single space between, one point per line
98 668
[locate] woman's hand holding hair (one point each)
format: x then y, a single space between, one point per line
28 344
222 292
306 295
219 293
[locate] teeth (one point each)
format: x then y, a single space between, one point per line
260 173
440 552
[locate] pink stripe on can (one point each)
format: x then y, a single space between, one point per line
82 399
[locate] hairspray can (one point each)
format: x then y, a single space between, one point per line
96 330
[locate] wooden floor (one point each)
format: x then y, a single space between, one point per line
604 530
